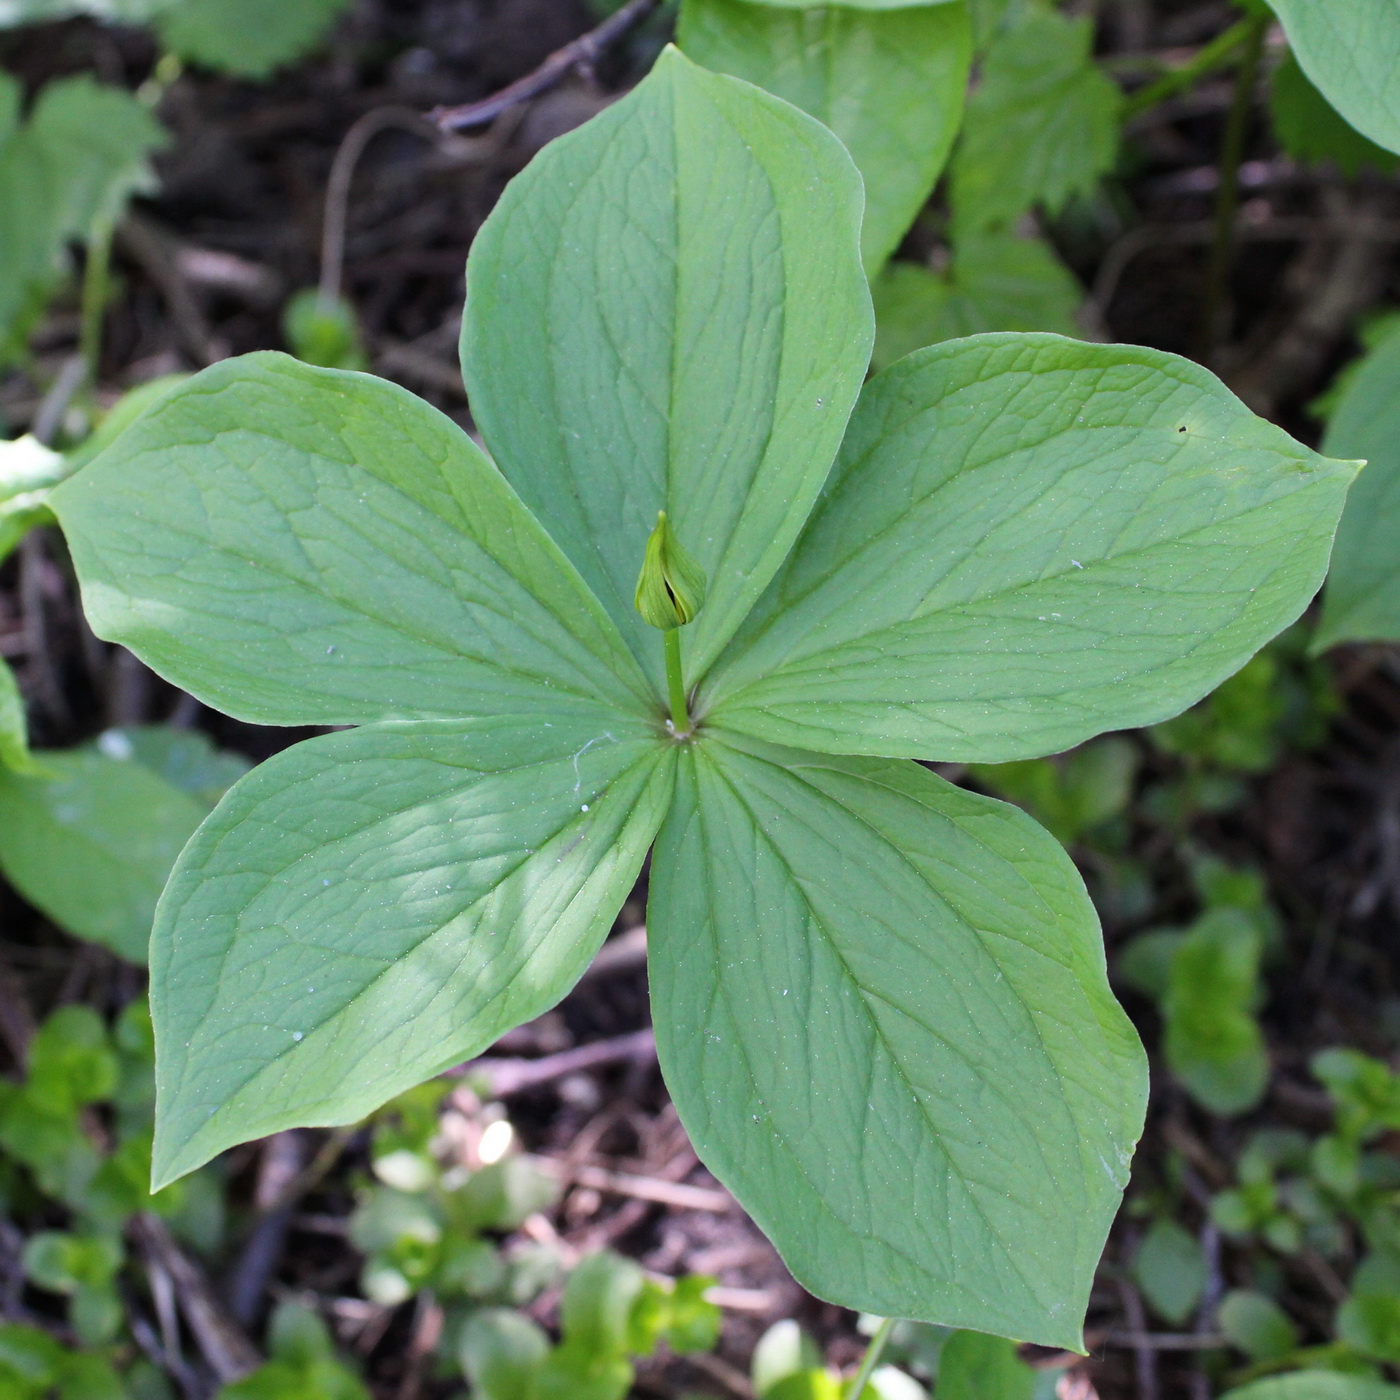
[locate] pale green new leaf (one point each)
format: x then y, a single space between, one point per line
90 840
997 282
889 82
83 152
1041 126
1351 51
248 38
882 1011
14 728
667 310
1362 599
308 546
28 470
1315 1385
369 908
1028 541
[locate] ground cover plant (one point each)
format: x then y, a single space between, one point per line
782 625
277 1001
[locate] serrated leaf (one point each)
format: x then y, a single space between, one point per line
881 1008
248 38
90 840
1025 542
1041 126
1351 53
1362 599
369 908
997 282
1309 128
679 284
889 82
1315 1385
307 546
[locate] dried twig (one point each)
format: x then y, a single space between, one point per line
283 1156
583 52
221 1340
677 1195
505 1077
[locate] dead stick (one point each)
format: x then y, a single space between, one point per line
586 49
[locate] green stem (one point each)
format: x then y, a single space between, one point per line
99 258
1216 54
1227 199
872 1358
680 716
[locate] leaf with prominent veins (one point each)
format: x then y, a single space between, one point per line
666 311
309 546
1027 541
369 908
883 1014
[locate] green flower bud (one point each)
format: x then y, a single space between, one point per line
671 586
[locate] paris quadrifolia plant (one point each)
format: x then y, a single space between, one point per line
712 595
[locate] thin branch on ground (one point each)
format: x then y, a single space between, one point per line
583 52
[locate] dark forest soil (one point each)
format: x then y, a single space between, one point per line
237 227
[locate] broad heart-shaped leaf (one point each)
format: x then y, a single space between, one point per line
667 310
1027 541
1041 126
90 839
882 1010
369 908
889 82
1351 52
997 282
308 546
1362 598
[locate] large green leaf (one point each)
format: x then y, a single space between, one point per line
889 82
1041 126
90 839
308 546
1315 1385
882 1011
974 1366
1351 52
667 309
1362 599
997 282
14 729
249 38
369 908
1309 128
1029 540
